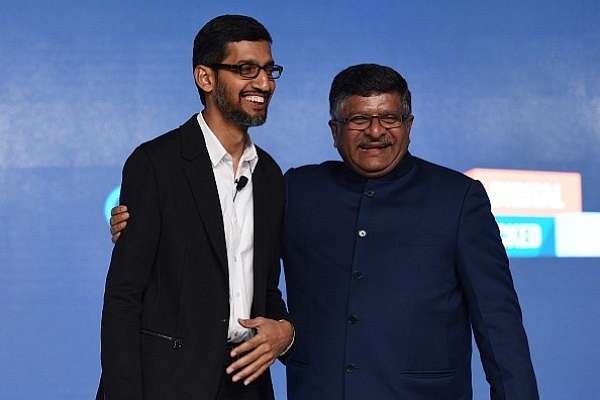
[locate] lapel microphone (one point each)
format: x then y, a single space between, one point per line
240 183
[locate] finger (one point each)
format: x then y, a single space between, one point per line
250 362
255 376
251 373
244 360
251 323
253 370
115 237
117 227
118 209
245 347
117 218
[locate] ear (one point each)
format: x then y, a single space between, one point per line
408 125
334 126
205 78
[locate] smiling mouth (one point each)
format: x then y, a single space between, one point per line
256 99
373 146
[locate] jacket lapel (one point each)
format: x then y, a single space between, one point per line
260 188
199 173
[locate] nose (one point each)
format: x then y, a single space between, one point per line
262 82
375 129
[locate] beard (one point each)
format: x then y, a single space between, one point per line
234 112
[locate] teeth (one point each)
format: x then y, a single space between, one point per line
256 99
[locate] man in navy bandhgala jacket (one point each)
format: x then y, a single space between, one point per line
390 261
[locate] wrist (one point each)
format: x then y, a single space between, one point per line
291 343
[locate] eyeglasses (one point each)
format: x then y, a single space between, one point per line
251 71
361 122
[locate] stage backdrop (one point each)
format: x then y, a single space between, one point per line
508 91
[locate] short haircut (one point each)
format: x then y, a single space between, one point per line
210 44
367 80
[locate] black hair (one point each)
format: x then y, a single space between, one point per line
210 44
367 80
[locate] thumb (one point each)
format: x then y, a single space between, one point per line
248 323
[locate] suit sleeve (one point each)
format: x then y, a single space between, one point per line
128 275
276 308
493 304
275 305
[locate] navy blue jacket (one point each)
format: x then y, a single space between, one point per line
385 280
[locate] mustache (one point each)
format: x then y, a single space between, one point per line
367 141
257 92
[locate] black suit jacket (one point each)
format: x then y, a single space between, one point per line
166 302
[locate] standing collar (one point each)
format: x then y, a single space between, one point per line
403 167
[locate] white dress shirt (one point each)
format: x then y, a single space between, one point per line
238 221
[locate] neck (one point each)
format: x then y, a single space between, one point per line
232 136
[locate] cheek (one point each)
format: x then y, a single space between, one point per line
402 140
344 146
348 144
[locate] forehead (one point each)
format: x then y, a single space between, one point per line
258 52
375 104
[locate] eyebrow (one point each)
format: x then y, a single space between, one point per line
384 112
253 61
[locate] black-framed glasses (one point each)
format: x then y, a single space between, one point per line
251 71
361 122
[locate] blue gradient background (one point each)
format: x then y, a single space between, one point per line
497 84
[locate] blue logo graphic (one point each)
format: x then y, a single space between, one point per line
112 200
527 236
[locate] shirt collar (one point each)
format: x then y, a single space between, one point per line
217 152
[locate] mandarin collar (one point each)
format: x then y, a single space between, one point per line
403 167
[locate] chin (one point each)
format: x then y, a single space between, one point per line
258 120
247 120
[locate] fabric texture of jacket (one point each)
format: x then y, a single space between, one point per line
386 279
166 302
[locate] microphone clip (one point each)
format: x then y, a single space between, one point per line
240 183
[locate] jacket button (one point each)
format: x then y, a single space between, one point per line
362 233
353 319
357 274
370 193
350 368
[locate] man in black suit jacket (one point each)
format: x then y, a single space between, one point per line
192 307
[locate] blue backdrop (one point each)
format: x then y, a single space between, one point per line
496 84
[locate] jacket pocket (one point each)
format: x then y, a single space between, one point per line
429 374
176 342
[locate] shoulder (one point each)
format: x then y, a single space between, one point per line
439 173
313 171
172 144
448 183
173 138
265 160
162 143
268 168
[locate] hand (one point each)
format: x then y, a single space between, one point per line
271 339
119 216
